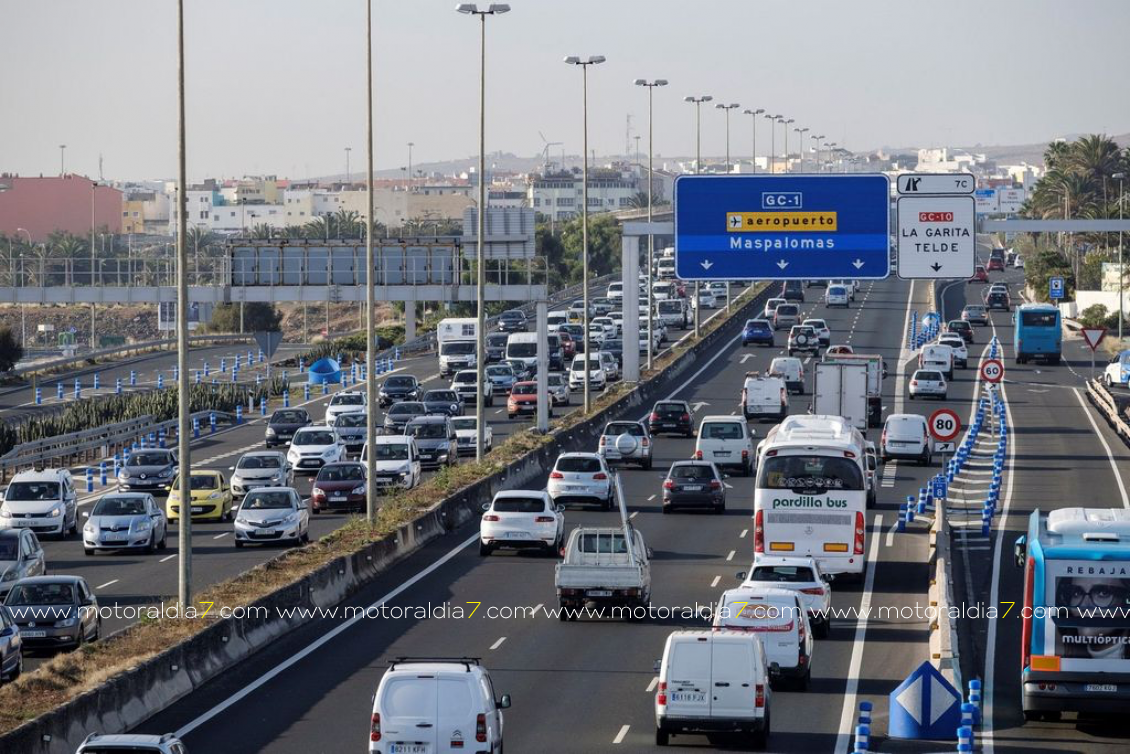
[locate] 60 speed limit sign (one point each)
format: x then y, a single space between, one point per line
944 425
992 370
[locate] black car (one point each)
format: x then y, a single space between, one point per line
513 320
496 346
402 413
284 423
998 300
615 347
792 290
694 484
962 328
446 402
671 417
556 352
435 440
400 387
148 471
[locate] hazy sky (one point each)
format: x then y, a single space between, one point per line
277 86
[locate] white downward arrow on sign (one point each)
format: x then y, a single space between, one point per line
782 264
707 264
857 263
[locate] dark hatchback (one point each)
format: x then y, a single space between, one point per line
338 486
758 331
148 471
402 413
401 387
351 428
998 300
962 328
793 290
446 402
671 417
694 484
284 423
615 347
513 320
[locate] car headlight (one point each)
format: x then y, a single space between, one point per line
4 512
404 475
214 496
358 490
89 528
9 575
56 511
143 525
66 622
123 475
166 473
318 492
290 520
271 432
330 453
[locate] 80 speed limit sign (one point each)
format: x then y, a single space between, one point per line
944 425
992 370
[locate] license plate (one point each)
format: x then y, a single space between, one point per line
517 535
721 452
573 488
668 425
599 593
693 488
407 749
1101 687
197 509
33 634
337 497
688 696
611 454
263 533
114 537
20 522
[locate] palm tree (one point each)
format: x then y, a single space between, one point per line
638 200
293 231
348 223
262 231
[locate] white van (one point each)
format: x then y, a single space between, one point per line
791 369
726 441
615 292
554 320
713 682
436 705
598 378
765 397
937 357
906 436
665 268
673 312
780 620
663 290
43 501
523 347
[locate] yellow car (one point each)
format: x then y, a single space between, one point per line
211 497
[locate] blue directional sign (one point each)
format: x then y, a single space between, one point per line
939 490
782 227
925 706
1055 288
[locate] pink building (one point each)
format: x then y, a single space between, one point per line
67 203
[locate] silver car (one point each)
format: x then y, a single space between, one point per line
626 442
11 648
581 478
21 556
125 521
272 514
54 612
262 468
558 386
147 471
132 743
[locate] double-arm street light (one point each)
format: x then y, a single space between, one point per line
697 101
650 238
772 141
786 124
816 140
1121 177
802 132
727 109
753 120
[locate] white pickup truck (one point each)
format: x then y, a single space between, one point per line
605 567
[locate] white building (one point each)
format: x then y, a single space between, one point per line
946 160
559 195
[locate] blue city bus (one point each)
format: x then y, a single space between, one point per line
1075 630
1037 333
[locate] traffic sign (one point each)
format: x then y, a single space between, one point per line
944 424
939 485
782 227
268 341
1093 336
1055 288
936 236
925 706
944 447
936 183
992 370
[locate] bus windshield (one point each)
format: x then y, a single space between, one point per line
1039 319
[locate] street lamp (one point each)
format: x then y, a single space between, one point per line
802 132
347 176
62 159
370 283
753 120
697 168
772 141
650 238
1121 275
412 143
480 257
816 140
184 427
727 109
786 124
11 271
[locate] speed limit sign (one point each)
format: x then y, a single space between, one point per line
992 370
944 425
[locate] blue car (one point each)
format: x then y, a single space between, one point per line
757 331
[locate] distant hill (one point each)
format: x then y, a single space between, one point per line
1033 154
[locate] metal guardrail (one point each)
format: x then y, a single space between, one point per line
146 345
1108 406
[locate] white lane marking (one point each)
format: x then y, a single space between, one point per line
651 498
714 583
731 555
890 535
498 643
167 558
623 732
1106 447
847 716
651 686
744 532
538 607
728 485
634 514
221 536
108 583
318 643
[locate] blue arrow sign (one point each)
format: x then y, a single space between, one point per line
782 227
1055 288
925 706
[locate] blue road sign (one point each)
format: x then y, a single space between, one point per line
925 706
939 487
782 227
1055 288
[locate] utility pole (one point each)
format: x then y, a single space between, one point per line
370 283
62 159
650 237
697 169
184 428
753 120
1121 273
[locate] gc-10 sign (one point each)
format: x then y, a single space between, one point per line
936 236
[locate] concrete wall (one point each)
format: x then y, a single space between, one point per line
44 205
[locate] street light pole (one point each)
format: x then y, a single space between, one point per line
370 284
753 120
62 159
184 428
816 140
650 238
802 132
772 142
786 124
347 175
1121 274
727 109
697 169
412 143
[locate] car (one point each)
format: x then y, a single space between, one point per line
615 347
961 327
397 462
937 356
125 521
351 402
928 383
979 275
523 370
727 442
339 486
352 429
597 334
998 300
397 388
284 423
597 377
272 514
132 743
791 369
786 315
671 417
796 574
719 288
425 705
464 384
496 346
975 314
43 501
568 346
792 290
694 484
265 468
558 386
841 349
764 397
995 264
445 402
147 470
399 414
501 377
771 307
758 331
67 602
581 478
626 442
524 399
512 320
466 428
11 648
555 350
906 436
435 439
837 295
822 332
522 519
957 345
21 556
556 319
769 611
1019 263
576 333
610 325
851 286
615 293
601 306
610 364
314 447
209 497
803 339
705 300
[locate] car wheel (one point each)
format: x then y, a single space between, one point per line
666 509
608 503
760 738
306 537
88 551
647 464
720 509
315 511
662 737
822 629
151 546
1109 383
484 549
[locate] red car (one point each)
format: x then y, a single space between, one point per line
523 399
338 486
568 346
996 263
979 275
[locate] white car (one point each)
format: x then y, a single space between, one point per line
726 441
771 308
937 357
260 468
852 286
596 375
611 326
44 501
397 462
345 403
597 334
581 478
837 295
822 331
465 429
778 613
928 383
558 386
272 514
522 518
719 289
615 292
311 448
958 346
706 299
797 574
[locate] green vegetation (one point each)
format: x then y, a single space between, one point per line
11 351
256 317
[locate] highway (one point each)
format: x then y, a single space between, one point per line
588 685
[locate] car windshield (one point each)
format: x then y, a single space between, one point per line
497 339
400 383
522 350
41 594
341 473
258 462
518 505
351 420
348 399
441 396
497 371
554 380
427 430
118 506
467 423
809 472
624 428
670 307
818 324
579 464
198 482
314 438
928 376
974 310
524 390
837 290
409 408
757 324
612 345
721 431
259 500
787 310
692 471
458 348
31 491
392 452
670 408
783 574
464 378
512 315
148 459
290 417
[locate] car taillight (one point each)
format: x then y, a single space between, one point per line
654 417
759 695
668 485
715 485
698 455
480 728
661 697
645 442
816 590
914 383
600 475
375 727
859 532
883 438
544 519
602 440
758 533
556 475
745 455
685 417
491 517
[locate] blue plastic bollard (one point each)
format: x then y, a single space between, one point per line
975 699
97 381
212 420
118 386
60 391
161 439
160 381
249 357
258 380
236 361
261 356
223 364
195 427
117 464
286 398
865 713
235 374
126 453
325 388
262 406
132 378
301 364
910 509
90 479
968 716
902 517
986 520
199 377
207 369
306 392
39 396
397 353
965 739
921 500
862 739
102 473
78 389
176 373
239 413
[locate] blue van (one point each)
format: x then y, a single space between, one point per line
1038 333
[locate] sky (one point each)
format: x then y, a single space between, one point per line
278 86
